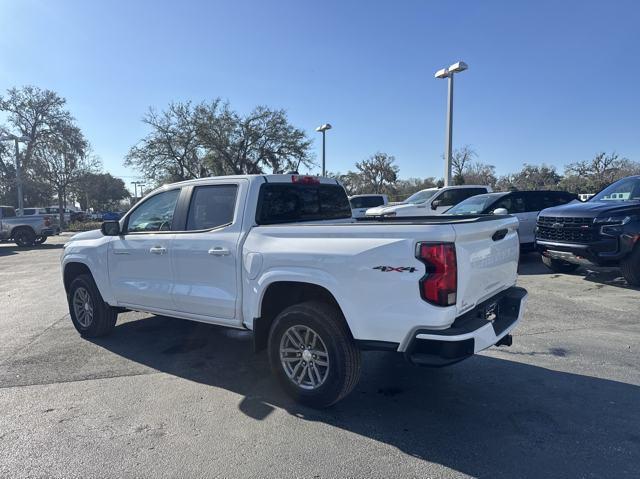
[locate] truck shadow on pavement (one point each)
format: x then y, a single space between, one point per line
482 417
531 264
8 249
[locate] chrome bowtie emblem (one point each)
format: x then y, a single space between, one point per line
557 225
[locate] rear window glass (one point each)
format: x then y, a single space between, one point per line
367 202
287 203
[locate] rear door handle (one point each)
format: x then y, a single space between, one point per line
158 250
219 251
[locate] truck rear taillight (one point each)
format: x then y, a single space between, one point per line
439 285
305 180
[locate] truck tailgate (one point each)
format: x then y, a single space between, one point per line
487 257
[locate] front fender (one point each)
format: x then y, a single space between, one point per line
96 261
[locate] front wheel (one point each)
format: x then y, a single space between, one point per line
630 267
313 354
559 266
24 237
40 239
91 316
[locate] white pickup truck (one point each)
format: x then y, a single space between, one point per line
429 202
281 255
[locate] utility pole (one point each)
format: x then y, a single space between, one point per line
18 177
16 141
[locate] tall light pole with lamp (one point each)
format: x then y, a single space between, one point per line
323 129
16 140
448 73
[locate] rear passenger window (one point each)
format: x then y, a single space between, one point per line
212 206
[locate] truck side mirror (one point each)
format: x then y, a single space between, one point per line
500 211
435 204
110 228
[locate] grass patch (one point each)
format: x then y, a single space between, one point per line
78 226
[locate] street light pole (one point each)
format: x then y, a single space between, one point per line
449 141
448 73
323 129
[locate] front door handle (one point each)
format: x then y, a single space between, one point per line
219 251
158 250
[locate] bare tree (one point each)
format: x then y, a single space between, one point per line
460 161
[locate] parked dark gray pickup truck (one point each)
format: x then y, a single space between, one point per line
26 230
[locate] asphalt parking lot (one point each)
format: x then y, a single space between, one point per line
168 398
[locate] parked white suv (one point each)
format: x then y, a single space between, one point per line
281 255
429 202
361 203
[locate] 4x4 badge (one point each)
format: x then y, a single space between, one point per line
397 269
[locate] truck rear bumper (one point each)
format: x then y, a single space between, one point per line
484 326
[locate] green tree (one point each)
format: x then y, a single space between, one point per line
207 139
531 177
590 176
100 191
378 173
172 150
477 173
35 114
62 159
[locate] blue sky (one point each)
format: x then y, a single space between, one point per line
548 81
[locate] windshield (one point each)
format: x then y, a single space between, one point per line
627 189
474 205
420 196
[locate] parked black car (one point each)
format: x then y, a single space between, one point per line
603 230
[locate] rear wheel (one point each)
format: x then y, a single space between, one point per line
24 237
559 266
91 316
313 355
40 239
630 267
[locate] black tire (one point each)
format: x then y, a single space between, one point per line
343 355
24 237
630 267
40 239
559 266
103 318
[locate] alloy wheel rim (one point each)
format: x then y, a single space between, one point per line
304 357
83 307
